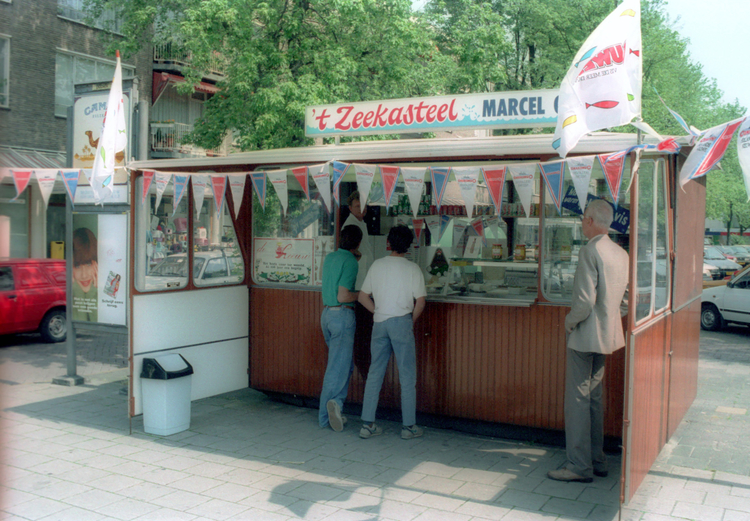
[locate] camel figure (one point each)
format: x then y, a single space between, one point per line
94 143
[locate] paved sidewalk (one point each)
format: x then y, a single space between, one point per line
67 455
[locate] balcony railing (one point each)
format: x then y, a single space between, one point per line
172 53
168 137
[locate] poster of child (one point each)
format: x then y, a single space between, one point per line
85 271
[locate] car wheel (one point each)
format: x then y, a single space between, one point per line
54 328
711 319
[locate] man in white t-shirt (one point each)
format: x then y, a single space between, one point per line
397 286
356 217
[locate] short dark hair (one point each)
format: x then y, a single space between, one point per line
350 237
354 196
84 247
400 238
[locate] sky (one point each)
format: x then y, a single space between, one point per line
715 29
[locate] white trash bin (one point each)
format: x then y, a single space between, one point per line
165 388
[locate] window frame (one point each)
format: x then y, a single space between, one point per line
109 15
5 63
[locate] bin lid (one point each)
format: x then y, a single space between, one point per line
166 367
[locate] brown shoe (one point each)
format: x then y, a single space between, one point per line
564 474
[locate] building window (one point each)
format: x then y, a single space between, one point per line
72 68
75 10
4 70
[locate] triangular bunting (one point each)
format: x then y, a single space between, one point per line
743 153
365 176
162 180
199 182
445 220
458 234
494 178
709 150
46 179
180 183
439 177
613 174
552 173
580 170
300 173
70 180
21 179
523 182
219 188
389 175
148 177
322 179
237 187
418 224
467 178
414 183
339 169
259 184
433 224
278 180
478 225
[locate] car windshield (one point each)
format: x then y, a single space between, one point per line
713 253
175 266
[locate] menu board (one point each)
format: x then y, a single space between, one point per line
288 261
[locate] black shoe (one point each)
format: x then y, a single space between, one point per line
601 473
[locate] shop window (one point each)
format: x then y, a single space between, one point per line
73 68
289 248
75 10
162 243
563 235
653 267
4 71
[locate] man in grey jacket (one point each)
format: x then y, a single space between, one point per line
594 330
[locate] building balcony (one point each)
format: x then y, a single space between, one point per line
167 141
171 56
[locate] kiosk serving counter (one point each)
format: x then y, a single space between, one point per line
234 284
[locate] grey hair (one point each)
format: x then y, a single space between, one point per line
601 213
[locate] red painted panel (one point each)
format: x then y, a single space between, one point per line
683 382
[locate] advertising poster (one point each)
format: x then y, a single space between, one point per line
284 260
99 268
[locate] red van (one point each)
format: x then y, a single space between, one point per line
32 297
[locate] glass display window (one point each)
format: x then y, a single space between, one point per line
562 236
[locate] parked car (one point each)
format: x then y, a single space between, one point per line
32 297
727 304
713 256
736 253
210 268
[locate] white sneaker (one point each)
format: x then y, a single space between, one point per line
334 415
408 433
368 431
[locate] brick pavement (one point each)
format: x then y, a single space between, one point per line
67 454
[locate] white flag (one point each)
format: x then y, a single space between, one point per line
200 184
161 179
467 178
278 180
113 139
523 182
580 170
602 88
46 179
237 186
414 183
322 177
365 176
743 152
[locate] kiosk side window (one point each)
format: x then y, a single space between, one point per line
653 266
290 245
163 230
563 235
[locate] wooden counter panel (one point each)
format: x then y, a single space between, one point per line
683 374
493 363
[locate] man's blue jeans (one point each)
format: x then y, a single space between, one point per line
394 335
338 326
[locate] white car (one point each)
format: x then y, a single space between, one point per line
724 304
210 268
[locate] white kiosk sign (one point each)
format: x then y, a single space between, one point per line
283 260
515 109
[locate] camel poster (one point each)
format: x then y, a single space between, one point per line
88 117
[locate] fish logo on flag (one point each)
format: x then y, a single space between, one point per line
113 139
552 173
602 88
237 187
709 150
439 177
322 179
21 179
70 180
494 178
613 166
219 187
180 183
339 170
148 178
259 183
389 176
300 174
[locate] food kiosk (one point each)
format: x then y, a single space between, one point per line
228 275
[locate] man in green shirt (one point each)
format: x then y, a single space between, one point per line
338 324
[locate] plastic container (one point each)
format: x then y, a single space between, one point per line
166 383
